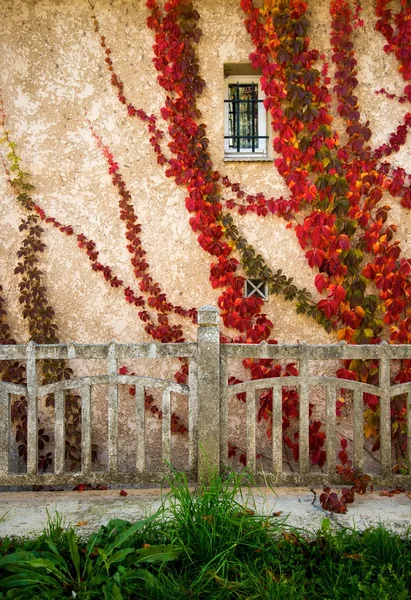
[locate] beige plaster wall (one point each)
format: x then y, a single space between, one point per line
52 71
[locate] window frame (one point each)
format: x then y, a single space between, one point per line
263 129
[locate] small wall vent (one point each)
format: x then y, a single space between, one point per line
256 288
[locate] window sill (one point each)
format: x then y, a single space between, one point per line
248 159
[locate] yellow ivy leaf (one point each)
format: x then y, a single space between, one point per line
369 430
359 311
341 333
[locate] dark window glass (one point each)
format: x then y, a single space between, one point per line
243 116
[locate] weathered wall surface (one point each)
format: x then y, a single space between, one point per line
52 70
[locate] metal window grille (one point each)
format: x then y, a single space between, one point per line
243 119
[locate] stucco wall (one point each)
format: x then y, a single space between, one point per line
52 71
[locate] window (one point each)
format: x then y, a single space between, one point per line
257 288
245 119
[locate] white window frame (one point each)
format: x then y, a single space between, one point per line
263 153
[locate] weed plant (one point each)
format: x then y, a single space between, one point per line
207 544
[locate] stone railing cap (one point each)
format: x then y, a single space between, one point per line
208 315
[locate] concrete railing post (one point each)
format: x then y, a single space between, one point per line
208 392
32 426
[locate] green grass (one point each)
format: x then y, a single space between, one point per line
206 545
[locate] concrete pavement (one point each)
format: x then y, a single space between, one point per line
25 513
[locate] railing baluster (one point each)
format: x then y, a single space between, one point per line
4 432
112 408
192 417
330 432
358 430
85 394
408 401
59 433
304 410
166 426
385 416
250 431
223 413
277 431
140 428
32 443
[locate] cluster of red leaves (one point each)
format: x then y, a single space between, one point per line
235 451
86 487
359 483
342 455
330 501
397 139
390 96
391 493
257 203
396 28
358 22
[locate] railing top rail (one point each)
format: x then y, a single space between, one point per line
316 352
189 349
322 380
99 351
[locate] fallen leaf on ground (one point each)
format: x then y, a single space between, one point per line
392 492
80 487
81 523
277 514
